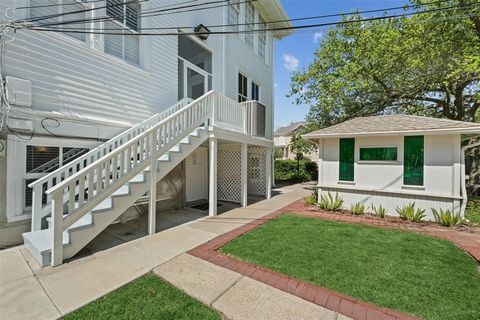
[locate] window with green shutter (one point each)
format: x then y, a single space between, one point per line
413 159
378 154
347 159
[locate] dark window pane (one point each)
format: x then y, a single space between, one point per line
347 159
378 154
115 10
255 92
133 16
41 159
29 193
413 160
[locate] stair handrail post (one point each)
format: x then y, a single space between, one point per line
37 207
57 228
245 120
152 205
212 120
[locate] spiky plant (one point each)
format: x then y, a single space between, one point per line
328 202
379 211
447 218
410 213
357 209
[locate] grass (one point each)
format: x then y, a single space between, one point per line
148 297
405 271
472 212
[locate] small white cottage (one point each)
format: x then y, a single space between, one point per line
394 160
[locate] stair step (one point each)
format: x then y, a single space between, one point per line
84 221
106 204
122 191
138 178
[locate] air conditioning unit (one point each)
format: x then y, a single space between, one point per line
19 92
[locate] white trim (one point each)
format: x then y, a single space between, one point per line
389 133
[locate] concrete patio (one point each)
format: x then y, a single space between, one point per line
117 257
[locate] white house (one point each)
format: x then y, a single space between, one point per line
394 160
282 139
196 106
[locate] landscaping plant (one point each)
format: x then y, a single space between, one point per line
379 211
446 218
313 198
358 209
327 202
410 213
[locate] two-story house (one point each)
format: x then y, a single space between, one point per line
102 92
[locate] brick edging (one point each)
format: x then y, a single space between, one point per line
323 297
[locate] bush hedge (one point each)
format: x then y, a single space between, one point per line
287 170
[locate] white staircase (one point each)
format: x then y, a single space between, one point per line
83 197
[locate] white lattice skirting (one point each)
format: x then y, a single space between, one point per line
229 172
257 171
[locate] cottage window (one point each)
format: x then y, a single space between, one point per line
56 10
242 88
413 160
233 14
125 19
262 39
347 159
249 24
379 154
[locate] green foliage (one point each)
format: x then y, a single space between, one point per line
357 209
301 146
313 198
472 211
278 153
287 170
426 64
379 211
410 213
327 202
446 218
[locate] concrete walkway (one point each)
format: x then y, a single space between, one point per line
30 292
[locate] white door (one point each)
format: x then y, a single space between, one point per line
196 175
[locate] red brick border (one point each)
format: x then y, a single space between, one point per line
326 298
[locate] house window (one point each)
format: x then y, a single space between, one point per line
41 160
347 159
255 91
233 14
249 23
126 20
379 154
58 9
413 160
242 88
262 39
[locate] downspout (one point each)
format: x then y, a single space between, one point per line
462 174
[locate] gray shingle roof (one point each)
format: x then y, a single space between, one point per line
288 129
391 124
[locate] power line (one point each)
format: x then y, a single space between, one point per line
56 5
260 30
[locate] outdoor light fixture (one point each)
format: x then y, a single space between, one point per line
202 31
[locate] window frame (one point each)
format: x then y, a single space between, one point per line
233 15
378 147
407 181
262 38
255 84
250 13
341 174
242 96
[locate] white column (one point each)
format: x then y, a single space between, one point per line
268 173
152 204
57 232
320 167
244 175
212 182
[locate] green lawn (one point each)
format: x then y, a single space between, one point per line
148 297
409 272
472 212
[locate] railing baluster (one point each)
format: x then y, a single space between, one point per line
71 197
81 190
57 225
90 184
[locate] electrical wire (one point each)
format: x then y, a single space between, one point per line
42 123
56 5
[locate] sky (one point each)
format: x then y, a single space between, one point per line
296 52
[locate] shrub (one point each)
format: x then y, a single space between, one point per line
327 202
379 211
446 218
358 209
313 198
410 213
287 170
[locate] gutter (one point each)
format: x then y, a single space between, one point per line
462 171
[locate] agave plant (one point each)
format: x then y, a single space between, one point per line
327 202
379 211
447 218
410 213
358 209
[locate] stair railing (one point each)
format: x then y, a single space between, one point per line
95 182
41 209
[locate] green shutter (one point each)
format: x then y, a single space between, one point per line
347 159
378 154
413 160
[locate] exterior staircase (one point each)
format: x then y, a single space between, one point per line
82 198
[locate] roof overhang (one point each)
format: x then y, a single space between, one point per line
315 137
272 10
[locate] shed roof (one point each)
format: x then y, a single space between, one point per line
290 128
394 124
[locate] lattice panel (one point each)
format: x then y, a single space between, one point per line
229 169
256 171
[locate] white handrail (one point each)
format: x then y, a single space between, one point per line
48 181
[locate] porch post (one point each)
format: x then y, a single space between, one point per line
268 173
244 175
152 203
212 182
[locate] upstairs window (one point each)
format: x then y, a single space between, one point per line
249 23
57 9
378 154
242 88
233 14
347 159
255 91
262 39
125 18
413 159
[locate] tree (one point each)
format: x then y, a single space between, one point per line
428 64
300 147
